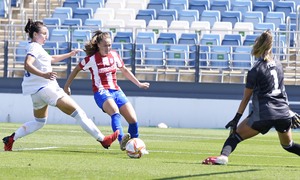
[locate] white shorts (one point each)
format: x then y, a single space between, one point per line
47 96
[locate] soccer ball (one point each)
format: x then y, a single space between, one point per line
136 148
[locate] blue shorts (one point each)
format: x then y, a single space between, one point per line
117 95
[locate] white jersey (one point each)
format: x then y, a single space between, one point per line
31 82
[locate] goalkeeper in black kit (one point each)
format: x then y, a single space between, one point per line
270 105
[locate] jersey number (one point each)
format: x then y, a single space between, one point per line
275 91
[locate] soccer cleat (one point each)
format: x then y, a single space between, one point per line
124 141
216 160
8 142
108 140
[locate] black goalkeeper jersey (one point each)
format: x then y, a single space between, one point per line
269 97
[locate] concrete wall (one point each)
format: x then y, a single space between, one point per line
175 112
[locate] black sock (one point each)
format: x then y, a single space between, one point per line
293 148
230 144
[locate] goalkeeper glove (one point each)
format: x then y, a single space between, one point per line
233 123
296 121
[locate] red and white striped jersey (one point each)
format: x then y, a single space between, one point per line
103 70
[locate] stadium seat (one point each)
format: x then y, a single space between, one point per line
72 23
232 40
177 55
52 23
72 4
136 5
83 13
199 5
3 9
263 6
178 5
200 27
125 14
275 17
211 16
167 14
94 4
242 58
167 38
155 55
115 4
124 37
242 6
51 47
220 57
220 5
189 38
146 14
250 39
204 56
125 51
179 27
188 15
293 18
231 16
62 36
135 26
21 51
92 24
81 36
243 28
158 5
261 27
62 13
221 28
253 17
114 25
210 39
146 37
104 14
157 26
287 7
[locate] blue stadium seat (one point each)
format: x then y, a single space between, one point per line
287 7
288 30
179 5
72 23
189 38
263 6
275 17
72 4
204 56
167 14
250 39
188 15
145 37
155 55
21 51
125 52
231 16
210 16
232 40
123 37
52 23
167 38
146 14
92 24
242 58
3 9
220 5
261 27
220 57
199 5
62 13
83 13
177 55
158 5
81 35
94 4
242 6
62 36
293 17
210 39
51 47
253 16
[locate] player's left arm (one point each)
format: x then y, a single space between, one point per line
60 57
128 74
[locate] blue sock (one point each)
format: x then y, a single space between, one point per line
133 130
116 124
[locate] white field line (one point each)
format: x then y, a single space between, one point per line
34 149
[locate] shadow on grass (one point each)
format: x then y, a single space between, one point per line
207 174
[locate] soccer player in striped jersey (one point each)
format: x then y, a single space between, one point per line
39 81
265 83
103 62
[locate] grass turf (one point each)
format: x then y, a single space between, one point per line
67 152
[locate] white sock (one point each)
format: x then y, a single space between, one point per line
87 124
30 127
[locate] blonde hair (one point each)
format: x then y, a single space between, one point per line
92 46
263 46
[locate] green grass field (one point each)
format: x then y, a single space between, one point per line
67 152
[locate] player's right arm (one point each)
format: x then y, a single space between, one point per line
30 68
71 78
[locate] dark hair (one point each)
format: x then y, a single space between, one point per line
32 27
263 46
92 46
